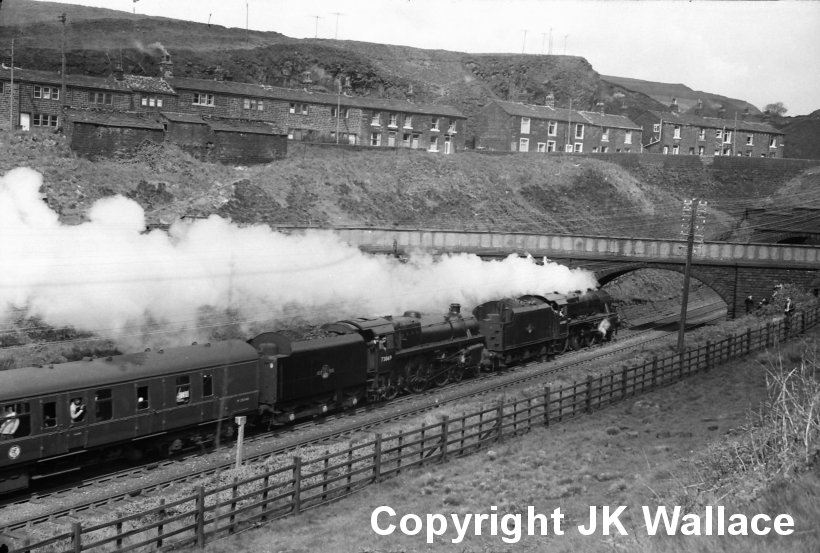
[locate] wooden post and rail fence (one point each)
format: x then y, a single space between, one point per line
208 514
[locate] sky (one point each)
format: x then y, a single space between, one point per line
762 51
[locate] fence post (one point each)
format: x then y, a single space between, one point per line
681 355
377 458
77 538
748 340
546 405
588 400
234 491
324 475
708 355
119 530
499 418
200 517
349 464
768 333
623 382
297 484
654 370
802 322
400 453
265 489
160 526
445 436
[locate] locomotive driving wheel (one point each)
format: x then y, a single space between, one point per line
574 342
442 378
391 391
417 372
457 373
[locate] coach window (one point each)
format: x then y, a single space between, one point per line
76 409
49 414
207 385
142 397
15 421
103 408
183 390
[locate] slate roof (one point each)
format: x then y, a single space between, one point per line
562 114
715 122
609 120
245 127
301 95
113 119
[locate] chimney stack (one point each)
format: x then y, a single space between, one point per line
699 107
549 101
673 107
118 72
219 73
166 67
601 108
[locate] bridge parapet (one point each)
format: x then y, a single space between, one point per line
591 247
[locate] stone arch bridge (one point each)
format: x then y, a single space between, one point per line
733 270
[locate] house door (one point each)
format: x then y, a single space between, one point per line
25 121
446 144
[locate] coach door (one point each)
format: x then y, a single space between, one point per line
52 426
148 403
77 431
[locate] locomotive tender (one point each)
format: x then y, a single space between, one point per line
58 418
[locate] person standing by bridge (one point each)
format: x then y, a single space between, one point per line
750 304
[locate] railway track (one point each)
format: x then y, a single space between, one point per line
119 487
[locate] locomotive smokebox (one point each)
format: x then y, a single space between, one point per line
455 308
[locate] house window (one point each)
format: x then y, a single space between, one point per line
552 128
550 145
579 131
452 128
151 101
43 120
296 134
434 124
47 92
773 142
405 140
750 140
408 121
203 99
334 112
394 120
605 135
101 98
103 408
718 134
604 149
252 104
628 137
351 139
701 150
676 133
542 147
727 150
298 108
727 137
375 139
433 144
676 149
376 120
579 147
691 150
656 127
524 145
665 150
701 134
525 125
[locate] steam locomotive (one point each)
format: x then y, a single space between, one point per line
58 418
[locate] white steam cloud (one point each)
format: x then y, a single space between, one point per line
110 277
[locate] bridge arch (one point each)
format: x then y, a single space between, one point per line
708 278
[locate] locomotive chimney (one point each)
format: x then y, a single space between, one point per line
455 308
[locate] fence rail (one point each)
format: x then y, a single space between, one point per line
307 483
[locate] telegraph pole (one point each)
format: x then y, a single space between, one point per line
62 19
693 233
